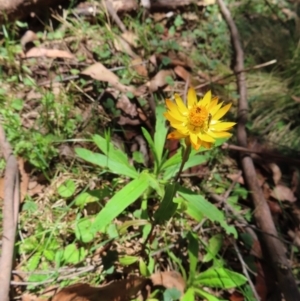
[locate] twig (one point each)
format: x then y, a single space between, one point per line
10 215
114 15
274 247
219 78
265 155
245 270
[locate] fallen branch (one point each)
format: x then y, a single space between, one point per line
10 215
262 214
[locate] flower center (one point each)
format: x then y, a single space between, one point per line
198 117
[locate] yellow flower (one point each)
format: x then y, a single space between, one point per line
198 122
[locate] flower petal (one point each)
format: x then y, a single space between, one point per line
206 144
171 118
181 106
222 126
213 103
219 134
191 97
221 112
215 109
172 106
176 135
197 145
206 137
205 101
176 115
194 138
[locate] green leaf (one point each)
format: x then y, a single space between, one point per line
104 162
167 207
193 160
84 198
128 260
83 230
49 254
220 278
189 295
160 133
143 268
34 261
207 296
198 204
151 145
67 189
120 201
110 150
171 294
193 249
74 255
214 246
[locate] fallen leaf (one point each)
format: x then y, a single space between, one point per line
274 207
276 172
283 193
183 73
236 296
121 290
159 80
51 53
127 106
28 36
99 72
295 236
34 188
237 177
130 38
139 67
169 279
122 45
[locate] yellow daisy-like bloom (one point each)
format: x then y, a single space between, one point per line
198 122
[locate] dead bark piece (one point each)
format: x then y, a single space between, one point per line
10 215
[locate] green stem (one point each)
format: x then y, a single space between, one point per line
185 157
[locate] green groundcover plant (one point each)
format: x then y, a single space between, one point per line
162 181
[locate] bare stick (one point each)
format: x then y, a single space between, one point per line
245 270
10 215
273 246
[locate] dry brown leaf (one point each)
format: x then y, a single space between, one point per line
31 297
183 73
170 279
51 53
127 106
100 72
34 188
122 290
274 207
295 236
139 67
159 80
29 36
276 172
283 193
237 177
122 45
131 38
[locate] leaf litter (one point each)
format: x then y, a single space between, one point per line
57 62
